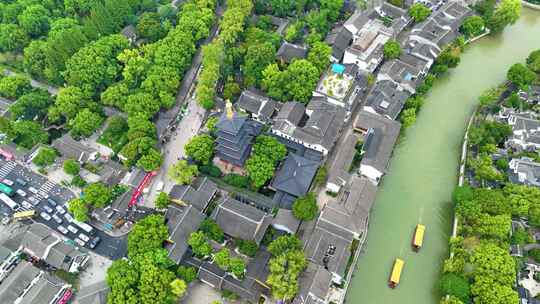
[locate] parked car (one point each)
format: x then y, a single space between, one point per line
21 192
21 182
62 229
159 186
51 202
83 237
43 194
27 205
79 242
60 209
68 217
47 209
33 190
7 182
33 200
72 229
57 219
45 216
94 242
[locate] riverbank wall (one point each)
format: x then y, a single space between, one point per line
530 5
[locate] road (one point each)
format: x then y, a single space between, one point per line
109 247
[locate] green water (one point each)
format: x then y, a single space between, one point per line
423 173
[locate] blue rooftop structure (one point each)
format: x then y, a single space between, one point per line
338 68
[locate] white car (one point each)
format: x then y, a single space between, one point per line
84 237
68 217
21 192
159 186
72 229
62 229
80 242
47 209
33 200
33 190
27 205
60 209
8 182
43 194
57 219
45 216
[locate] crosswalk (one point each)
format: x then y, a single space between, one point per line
6 169
45 189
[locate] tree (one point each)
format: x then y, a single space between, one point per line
521 75
283 244
79 209
27 133
392 49
71 167
295 83
258 56
248 248
12 38
260 169
484 170
450 300
149 26
408 117
199 244
183 173
150 161
507 13
237 267
270 147
31 106
319 55
494 265
472 26
97 195
455 285
85 123
147 234
115 95
200 148
284 272
162 200
333 7
282 8
122 278
419 12
294 31
186 273
178 287
534 215
212 230
222 258
305 208
45 157
13 87
34 20
533 61
70 101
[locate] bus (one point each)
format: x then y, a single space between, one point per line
6 189
22 215
84 226
8 201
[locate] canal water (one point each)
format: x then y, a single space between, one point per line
423 173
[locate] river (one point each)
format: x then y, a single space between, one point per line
423 173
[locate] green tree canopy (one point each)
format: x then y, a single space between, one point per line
183 173
79 209
34 20
12 38
71 167
162 201
147 234
199 244
45 157
85 123
319 55
260 169
521 75
212 230
392 49
13 87
419 12
455 285
200 148
97 195
472 26
305 208
533 61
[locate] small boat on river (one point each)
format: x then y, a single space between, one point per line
418 237
395 275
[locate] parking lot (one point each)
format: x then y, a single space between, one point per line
54 216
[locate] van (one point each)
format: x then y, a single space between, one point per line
21 182
21 192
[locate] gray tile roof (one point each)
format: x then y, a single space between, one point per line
382 136
357 20
314 284
241 220
295 175
408 76
93 294
45 290
525 171
257 104
181 222
339 39
70 148
17 281
350 212
291 112
211 274
288 52
329 249
387 99
199 197
286 221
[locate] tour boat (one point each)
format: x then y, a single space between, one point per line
396 273
418 238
